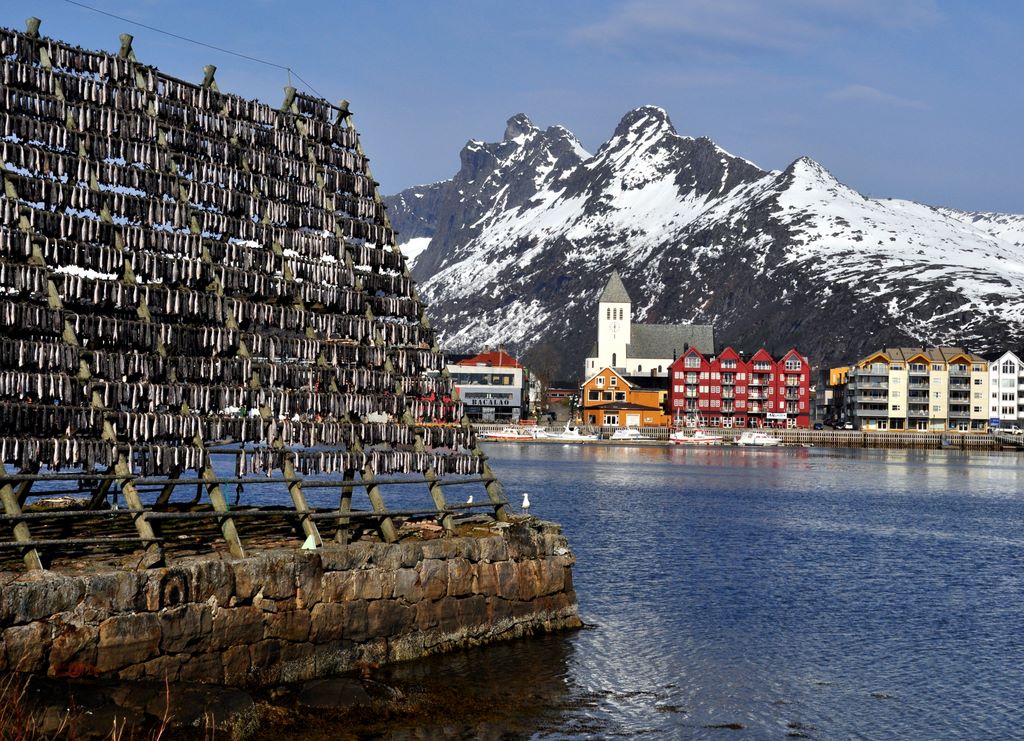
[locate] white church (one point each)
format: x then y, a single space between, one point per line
639 349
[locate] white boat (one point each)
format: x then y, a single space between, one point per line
698 437
758 439
568 435
628 433
507 433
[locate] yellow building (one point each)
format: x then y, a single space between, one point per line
614 400
918 388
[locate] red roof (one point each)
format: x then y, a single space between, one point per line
494 358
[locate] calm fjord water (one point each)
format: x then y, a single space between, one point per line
736 594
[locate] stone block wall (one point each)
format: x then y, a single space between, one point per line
290 615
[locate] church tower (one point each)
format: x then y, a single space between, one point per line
614 314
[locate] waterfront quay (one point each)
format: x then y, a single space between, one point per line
655 436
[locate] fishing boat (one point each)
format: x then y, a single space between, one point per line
507 433
697 437
758 439
628 433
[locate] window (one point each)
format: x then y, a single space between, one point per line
978 368
620 314
620 396
678 375
728 363
895 407
600 380
611 419
607 313
937 394
977 395
1009 367
936 408
937 367
794 364
715 375
977 381
894 394
895 380
896 367
704 375
613 381
977 409
606 395
691 361
614 360
741 376
594 395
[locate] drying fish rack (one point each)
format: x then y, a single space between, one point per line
187 277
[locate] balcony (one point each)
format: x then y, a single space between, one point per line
872 398
861 384
957 371
923 413
918 385
959 413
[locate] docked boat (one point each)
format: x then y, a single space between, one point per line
628 433
697 437
507 433
568 435
758 439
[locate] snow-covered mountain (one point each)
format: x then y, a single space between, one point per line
517 246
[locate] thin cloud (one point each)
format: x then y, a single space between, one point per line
753 24
868 94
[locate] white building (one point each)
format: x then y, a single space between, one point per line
493 387
639 349
1006 391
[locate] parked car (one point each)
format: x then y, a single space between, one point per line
847 425
1013 430
819 426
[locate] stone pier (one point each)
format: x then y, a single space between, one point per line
291 615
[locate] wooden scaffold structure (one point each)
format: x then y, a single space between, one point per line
200 292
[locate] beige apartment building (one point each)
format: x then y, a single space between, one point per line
919 388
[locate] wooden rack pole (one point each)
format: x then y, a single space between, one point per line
154 551
298 498
21 531
436 491
227 525
345 506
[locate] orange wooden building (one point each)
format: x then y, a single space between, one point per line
615 400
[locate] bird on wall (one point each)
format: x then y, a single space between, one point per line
470 500
526 502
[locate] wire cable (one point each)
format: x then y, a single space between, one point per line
289 70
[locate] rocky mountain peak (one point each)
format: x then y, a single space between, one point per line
519 125
646 119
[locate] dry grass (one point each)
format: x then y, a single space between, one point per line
20 721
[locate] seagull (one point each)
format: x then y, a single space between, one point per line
526 501
470 500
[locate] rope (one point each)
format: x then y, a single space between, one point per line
221 49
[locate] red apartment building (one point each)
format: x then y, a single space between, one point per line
730 390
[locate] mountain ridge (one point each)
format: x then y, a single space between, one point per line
525 234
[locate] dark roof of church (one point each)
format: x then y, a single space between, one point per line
669 340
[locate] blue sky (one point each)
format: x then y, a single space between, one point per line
917 99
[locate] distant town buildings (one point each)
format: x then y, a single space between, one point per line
919 388
493 386
732 390
639 349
